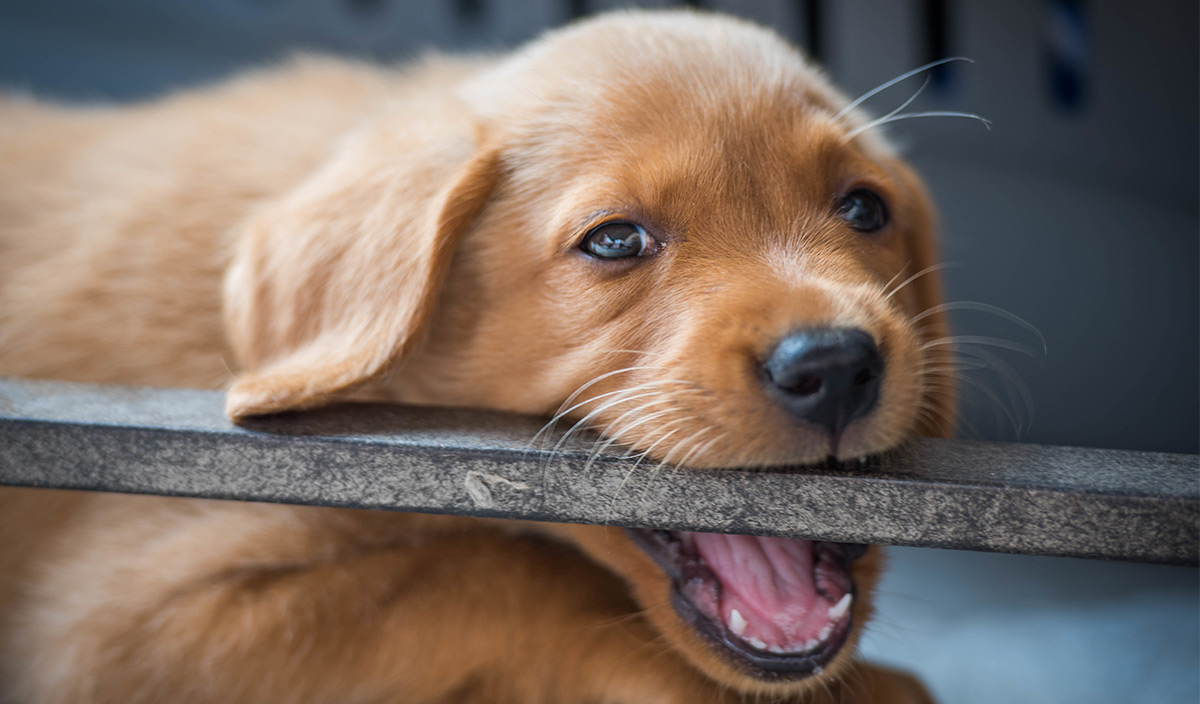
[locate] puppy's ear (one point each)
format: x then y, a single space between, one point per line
923 295
335 283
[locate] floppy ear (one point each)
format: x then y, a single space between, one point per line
924 294
336 282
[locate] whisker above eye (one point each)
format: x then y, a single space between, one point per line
888 84
880 120
908 116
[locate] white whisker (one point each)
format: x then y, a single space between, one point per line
622 396
559 415
701 449
1017 426
884 86
617 435
600 409
613 503
955 341
880 120
927 270
666 460
932 113
1013 383
645 453
585 386
984 308
898 275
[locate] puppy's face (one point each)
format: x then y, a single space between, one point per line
679 246
688 247
720 286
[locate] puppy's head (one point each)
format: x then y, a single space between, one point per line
663 218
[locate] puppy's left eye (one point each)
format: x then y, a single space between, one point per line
863 211
618 240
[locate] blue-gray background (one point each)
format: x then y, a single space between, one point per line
1077 212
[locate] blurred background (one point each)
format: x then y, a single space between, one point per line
1076 214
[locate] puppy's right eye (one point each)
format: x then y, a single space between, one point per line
863 210
618 240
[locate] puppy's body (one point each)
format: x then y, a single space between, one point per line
329 229
99 207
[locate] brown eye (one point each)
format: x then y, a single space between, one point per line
617 240
863 211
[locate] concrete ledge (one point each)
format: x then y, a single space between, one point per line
1139 506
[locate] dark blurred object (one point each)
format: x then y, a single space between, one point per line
1067 52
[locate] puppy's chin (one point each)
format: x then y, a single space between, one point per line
759 615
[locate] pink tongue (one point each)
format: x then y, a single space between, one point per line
769 582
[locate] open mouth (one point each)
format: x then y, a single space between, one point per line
777 608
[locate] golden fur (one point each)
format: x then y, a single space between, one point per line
327 230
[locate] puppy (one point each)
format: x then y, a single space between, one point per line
670 221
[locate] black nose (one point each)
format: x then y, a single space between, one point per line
827 377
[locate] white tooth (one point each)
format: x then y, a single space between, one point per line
737 624
811 644
776 649
825 632
756 643
839 609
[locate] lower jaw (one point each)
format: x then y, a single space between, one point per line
765 667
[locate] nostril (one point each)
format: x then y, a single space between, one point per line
806 385
827 376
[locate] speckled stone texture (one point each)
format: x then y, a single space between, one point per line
1140 506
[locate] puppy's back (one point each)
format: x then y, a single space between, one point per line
116 223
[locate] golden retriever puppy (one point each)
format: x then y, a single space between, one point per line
669 219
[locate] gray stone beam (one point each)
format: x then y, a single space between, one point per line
1141 506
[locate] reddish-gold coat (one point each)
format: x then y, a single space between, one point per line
328 230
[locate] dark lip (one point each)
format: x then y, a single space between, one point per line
666 551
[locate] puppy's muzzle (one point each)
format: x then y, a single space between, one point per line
827 377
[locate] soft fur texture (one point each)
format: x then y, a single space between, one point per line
328 230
